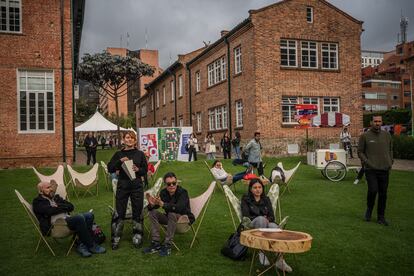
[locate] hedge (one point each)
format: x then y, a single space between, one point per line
390 117
403 147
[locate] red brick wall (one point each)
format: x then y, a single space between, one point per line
36 48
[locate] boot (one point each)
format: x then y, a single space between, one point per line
138 234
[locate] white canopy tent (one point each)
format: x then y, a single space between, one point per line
97 123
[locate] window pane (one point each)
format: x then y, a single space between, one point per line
23 111
34 83
50 116
32 111
41 110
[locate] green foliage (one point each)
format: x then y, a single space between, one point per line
389 117
124 121
403 147
83 110
343 244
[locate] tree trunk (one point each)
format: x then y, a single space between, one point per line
118 131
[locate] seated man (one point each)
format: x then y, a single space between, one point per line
175 202
48 207
221 175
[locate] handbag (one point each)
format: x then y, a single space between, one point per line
233 249
212 148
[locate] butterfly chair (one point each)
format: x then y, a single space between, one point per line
236 204
58 230
198 206
228 181
57 176
153 176
85 180
288 175
106 174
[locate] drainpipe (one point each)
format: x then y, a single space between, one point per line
189 96
62 53
154 106
228 87
73 86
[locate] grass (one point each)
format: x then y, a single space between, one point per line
343 244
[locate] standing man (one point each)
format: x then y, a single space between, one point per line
375 152
176 204
254 150
90 144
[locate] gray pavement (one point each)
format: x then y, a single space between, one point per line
399 164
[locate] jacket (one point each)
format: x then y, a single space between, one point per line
178 203
253 149
375 150
44 211
139 160
252 209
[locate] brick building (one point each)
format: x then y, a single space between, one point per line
39 48
291 52
135 90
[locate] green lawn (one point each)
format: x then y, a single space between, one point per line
343 244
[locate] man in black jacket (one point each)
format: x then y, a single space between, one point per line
48 207
176 203
90 144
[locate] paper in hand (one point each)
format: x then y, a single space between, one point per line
127 166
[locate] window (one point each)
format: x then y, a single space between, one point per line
10 16
198 116
329 56
198 80
311 100
172 122
288 53
180 86
172 90
36 101
181 121
164 122
144 110
152 102
374 96
395 85
157 94
309 14
163 95
330 105
237 60
406 82
309 54
239 113
217 118
395 97
289 110
407 93
216 71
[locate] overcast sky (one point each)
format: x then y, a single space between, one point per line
180 26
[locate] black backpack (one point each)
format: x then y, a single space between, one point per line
233 249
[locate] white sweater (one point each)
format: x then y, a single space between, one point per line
219 174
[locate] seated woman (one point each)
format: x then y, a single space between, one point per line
257 212
221 175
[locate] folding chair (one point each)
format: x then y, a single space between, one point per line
85 180
228 181
198 207
288 175
57 176
58 230
273 195
154 175
106 174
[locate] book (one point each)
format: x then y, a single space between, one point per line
127 167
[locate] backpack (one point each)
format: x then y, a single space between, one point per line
233 249
277 175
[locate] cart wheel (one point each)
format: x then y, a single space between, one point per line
335 171
323 173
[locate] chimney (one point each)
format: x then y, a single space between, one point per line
224 32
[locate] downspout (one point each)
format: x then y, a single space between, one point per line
73 86
62 53
189 96
154 105
228 86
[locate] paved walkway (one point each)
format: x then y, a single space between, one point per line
399 164
80 157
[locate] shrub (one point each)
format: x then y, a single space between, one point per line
390 117
403 147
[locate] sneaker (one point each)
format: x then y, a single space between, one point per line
282 265
83 250
356 181
97 249
165 250
382 222
263 259
153 248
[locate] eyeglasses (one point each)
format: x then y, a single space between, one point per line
169 184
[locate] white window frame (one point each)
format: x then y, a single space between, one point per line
173 122
239 113
48 77
180 121
164 122
198 117
309 49
211 119
330 106
286 44
289 102
198 81
172 88
157 100
163 95
216 71
152 102
309 14
326 48
7 6
217 117
143 111
180 86
311 100
237 60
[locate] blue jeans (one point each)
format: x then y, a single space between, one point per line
238 176
237 151
81 224
210 156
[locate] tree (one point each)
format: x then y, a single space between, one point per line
83 110
110 76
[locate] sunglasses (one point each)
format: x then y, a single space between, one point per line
169 184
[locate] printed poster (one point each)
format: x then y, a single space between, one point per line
148 142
